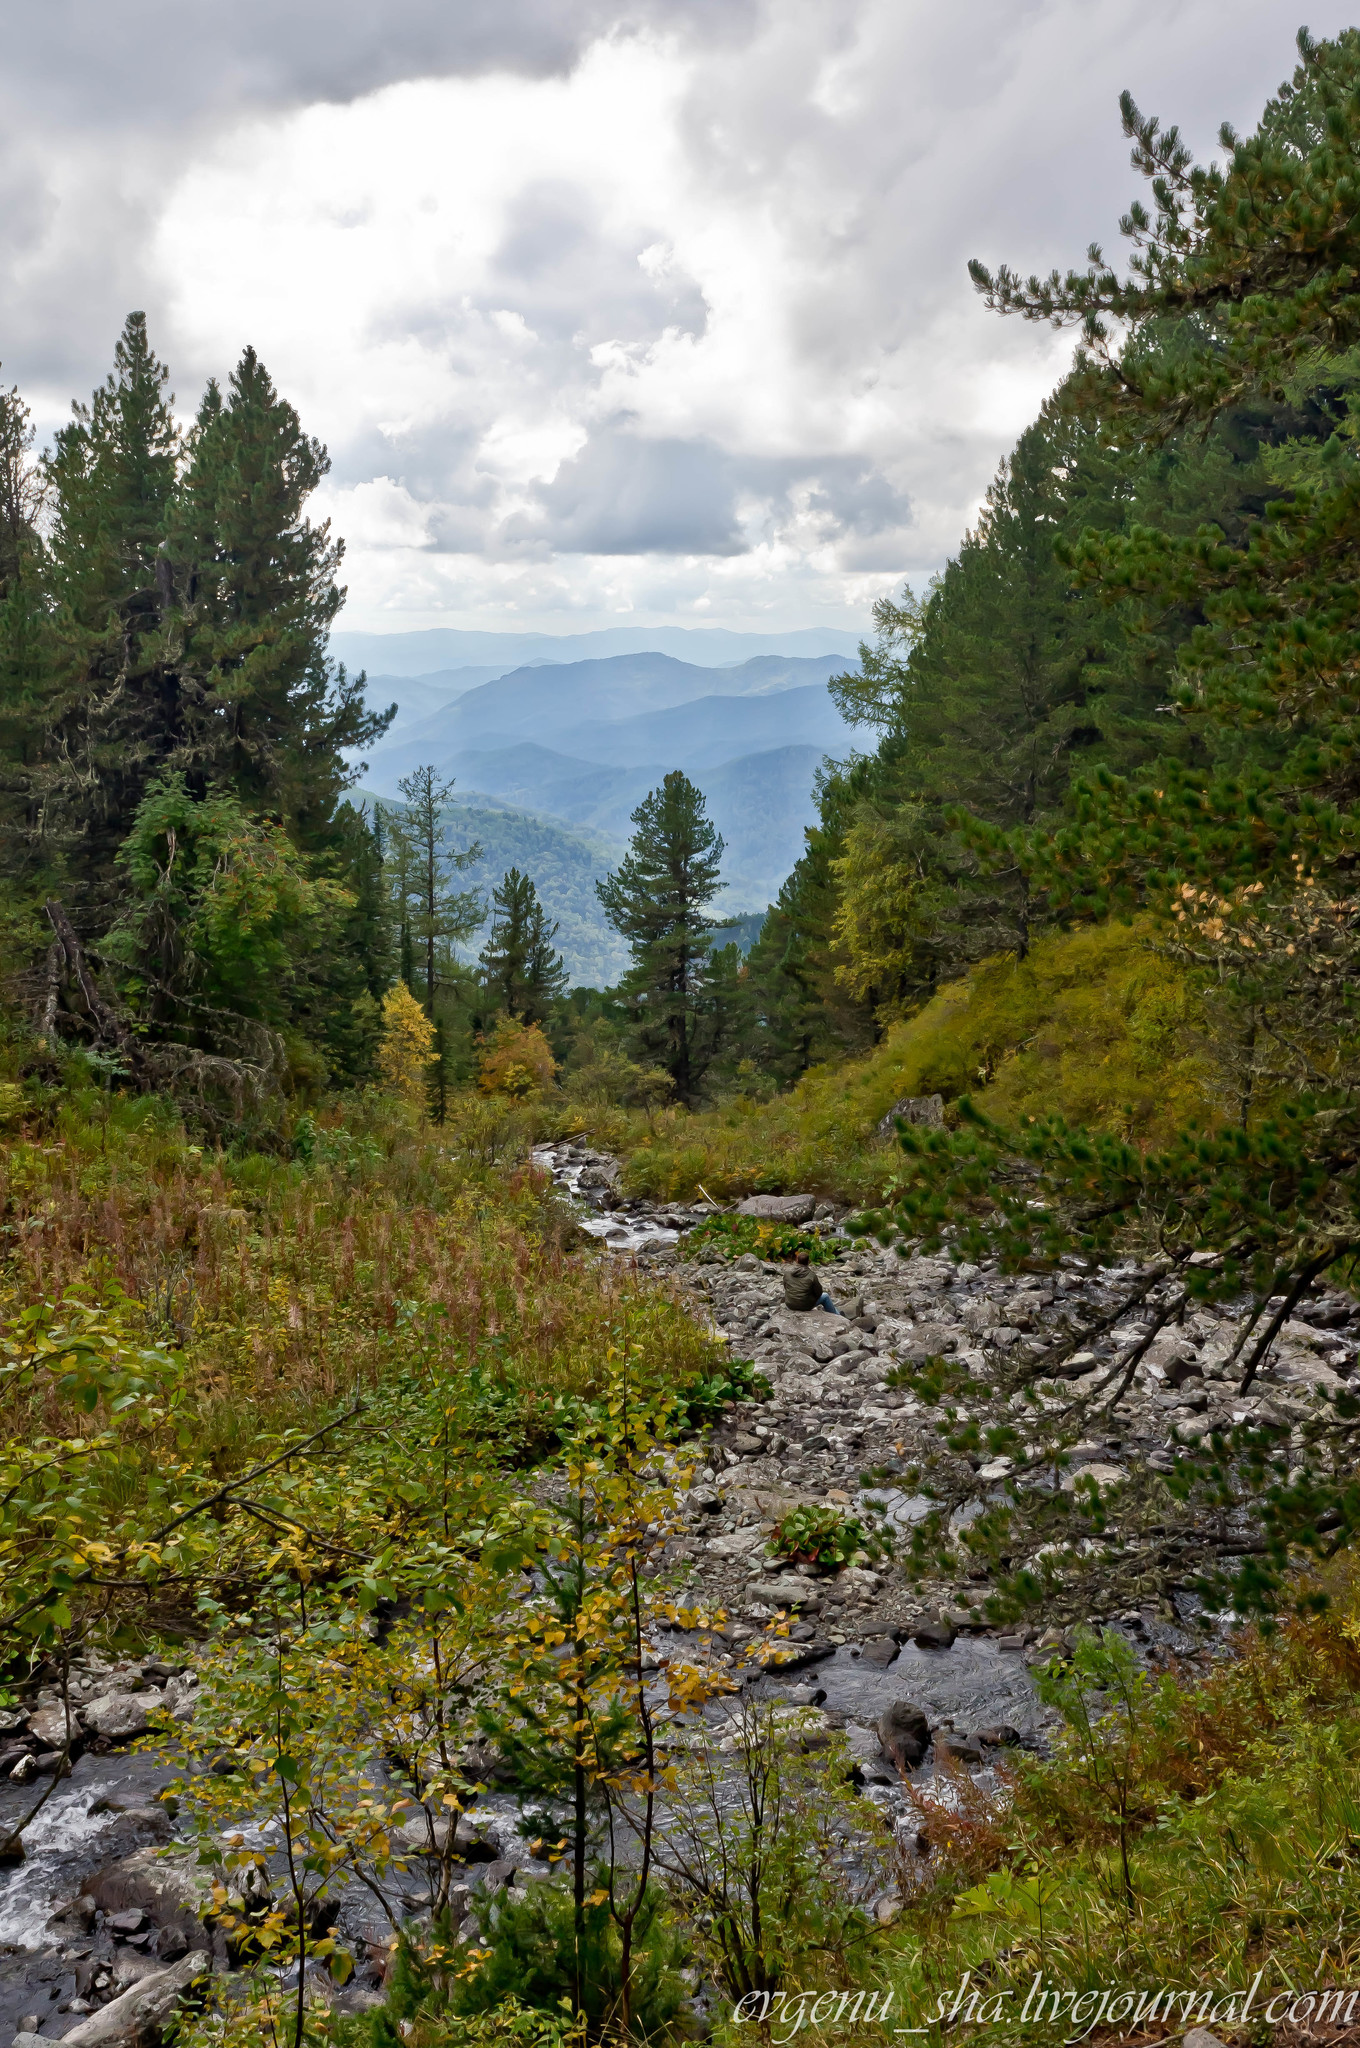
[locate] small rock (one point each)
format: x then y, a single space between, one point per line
131 1922
956 1749
1001 1736
880 1653
25 1771
791 1656
748 1446
1103 1475
1200 2037
904 1733
784 1591
934 1635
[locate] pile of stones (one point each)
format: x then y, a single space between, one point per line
842 1424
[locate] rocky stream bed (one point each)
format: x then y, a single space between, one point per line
102 1924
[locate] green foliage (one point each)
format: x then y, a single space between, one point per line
253 587
531 1958
733 1236
78 1508
419 2008
164 608
1095 1021
1177 1836
1246 854
433 916
704 1397
522 974
771 1860
222 911
826 1536
656 900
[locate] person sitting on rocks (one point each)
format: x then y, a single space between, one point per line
803 1289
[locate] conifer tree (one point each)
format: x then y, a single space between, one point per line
439 917
24 648
1251 872
255 591
522 974
656 900
118 710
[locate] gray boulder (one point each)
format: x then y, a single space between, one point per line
140 2017
779 1208
48 1726
121 1715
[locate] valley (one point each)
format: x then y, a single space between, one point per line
579 744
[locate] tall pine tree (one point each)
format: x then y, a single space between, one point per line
117 714
255 591
521 973
437 916
656 900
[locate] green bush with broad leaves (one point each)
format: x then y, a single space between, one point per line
733 1235
818 1535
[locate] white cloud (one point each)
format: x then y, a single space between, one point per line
603 319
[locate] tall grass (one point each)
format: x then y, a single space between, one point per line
291 1283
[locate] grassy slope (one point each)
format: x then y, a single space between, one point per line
290 1285
1094 1024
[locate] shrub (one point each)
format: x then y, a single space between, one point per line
707 1394
407 1040
816 1535
516 1060
734 1235
530 1957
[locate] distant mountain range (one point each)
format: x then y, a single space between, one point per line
445 647
560 753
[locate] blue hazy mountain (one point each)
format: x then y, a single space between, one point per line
561 753
444 647
418 697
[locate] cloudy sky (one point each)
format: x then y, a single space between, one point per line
609 311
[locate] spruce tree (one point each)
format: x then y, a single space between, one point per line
255 590
117 714
522 974
656 900
438 916
25 680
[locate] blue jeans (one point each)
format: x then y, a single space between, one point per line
829 1305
